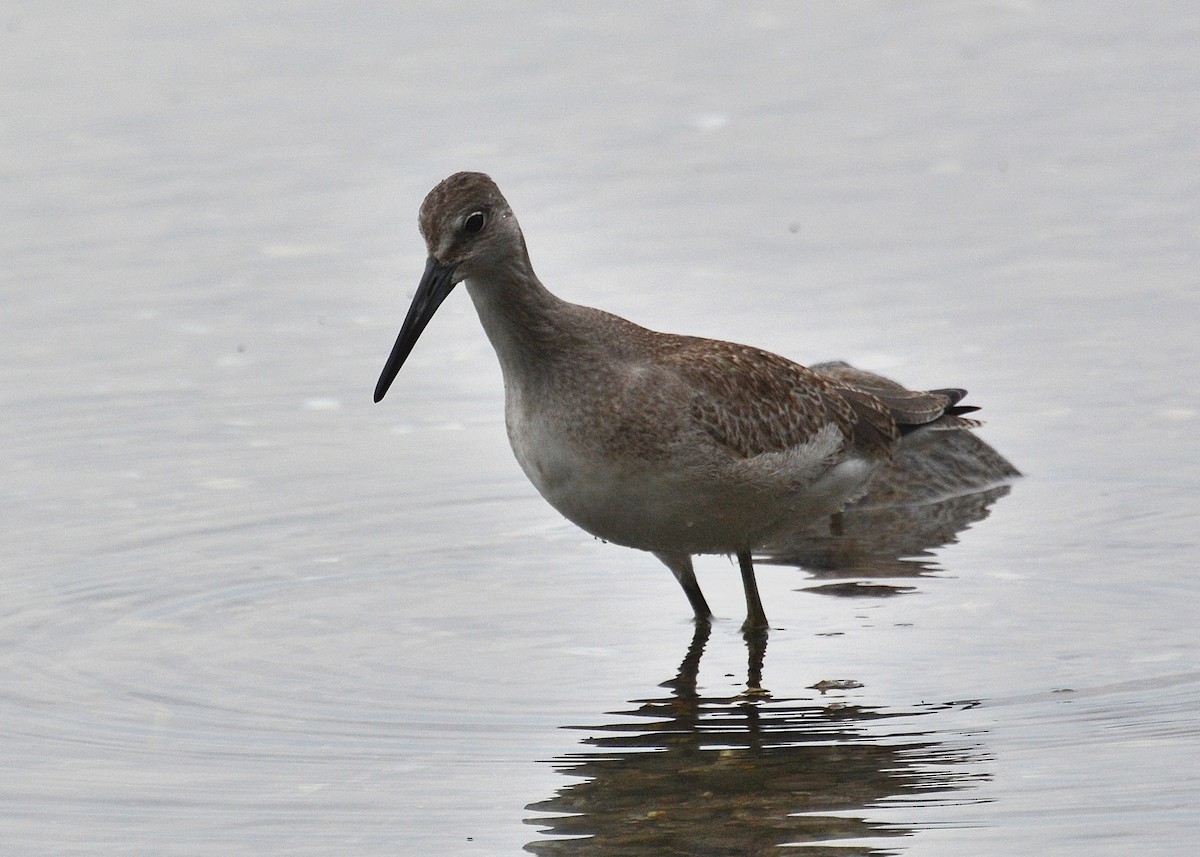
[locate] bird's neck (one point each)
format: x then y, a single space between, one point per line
524 321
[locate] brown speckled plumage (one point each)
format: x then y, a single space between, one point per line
672 444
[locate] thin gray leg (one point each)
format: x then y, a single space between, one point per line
756 619
681 566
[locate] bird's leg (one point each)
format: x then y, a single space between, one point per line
756 619
684 683
756 650
681 566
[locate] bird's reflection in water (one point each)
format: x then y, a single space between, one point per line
686 774
919 502
690 774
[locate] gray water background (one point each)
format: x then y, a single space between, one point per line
246 611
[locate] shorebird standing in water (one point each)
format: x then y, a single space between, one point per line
670 444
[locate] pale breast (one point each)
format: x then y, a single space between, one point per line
697 499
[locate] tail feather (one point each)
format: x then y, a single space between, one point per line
912 410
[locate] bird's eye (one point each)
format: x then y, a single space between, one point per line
474 223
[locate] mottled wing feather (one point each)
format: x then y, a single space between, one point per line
911 409
875 424
753 402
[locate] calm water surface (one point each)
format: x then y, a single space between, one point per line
248 612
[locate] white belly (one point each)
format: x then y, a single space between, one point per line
683 506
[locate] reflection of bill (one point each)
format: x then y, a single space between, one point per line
686 774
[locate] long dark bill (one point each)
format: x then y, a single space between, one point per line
436 283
